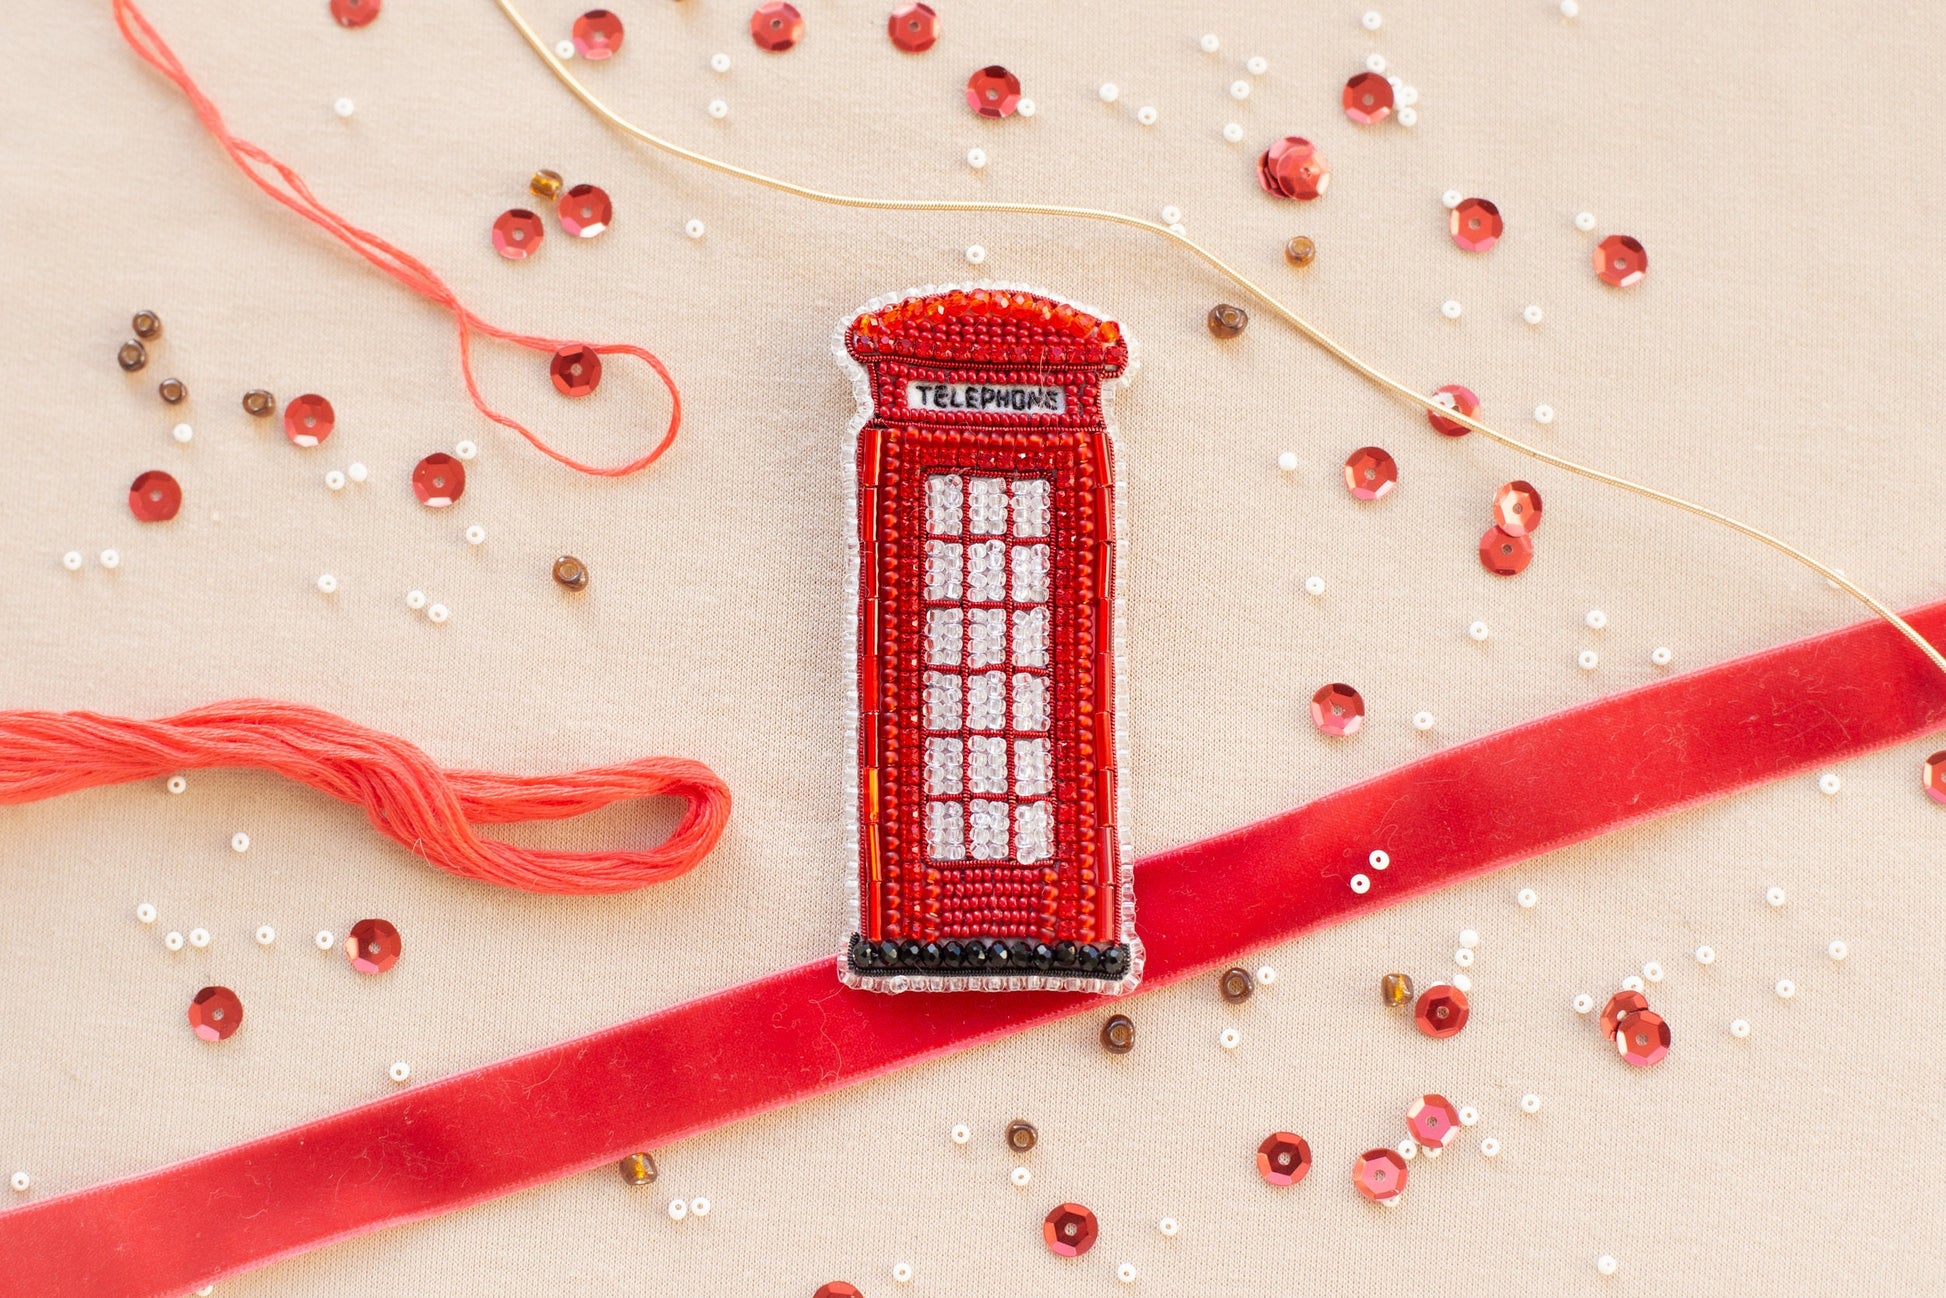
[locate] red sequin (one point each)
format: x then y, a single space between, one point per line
438 480
1367 98
1371 473
1643 1038
354 13
1504 554
1433 1121
1463 401
154 497
1621 1003
576 370
1620 261
1476 225
1293 168
372 946
517 234
1517 508
597 34
216 1013
1442 1011
308 420
838 1289
993 92
1933 777
584 211
913 27
1283 1158
1379 1175
1070 1230
1337 710
776 26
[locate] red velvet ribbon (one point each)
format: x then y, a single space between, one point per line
443 1145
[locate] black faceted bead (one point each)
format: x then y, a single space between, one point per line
929 955
909 953
1020 952
1064 954
953 954
1002 954
861 952
1043 956
888 953
976 954
1114 961
1090 958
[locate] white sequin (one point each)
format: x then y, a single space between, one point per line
1030 701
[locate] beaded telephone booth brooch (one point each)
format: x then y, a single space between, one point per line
983 557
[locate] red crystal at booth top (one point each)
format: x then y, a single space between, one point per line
517 233
1457 398
993 92
1070 1230
216 1013
1475 225
1337 710
1293 168
1379 1175
584 211
155 497
354 13
597 34
1371 473
576 370
776 26
1368 98
1283 1158
913 27
1621 261
1517 508
1504 553
308 420
438 480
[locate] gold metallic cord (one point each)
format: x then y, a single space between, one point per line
1235 276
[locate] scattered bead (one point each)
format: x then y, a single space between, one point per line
111 559
1287 461
415 599
401 1071
1633 984
1235 985
1408 1149
1109 92
1020 1176
356 471
1570 8
902 1272
1233 132
1584 221
1424 721
1372 20
1169 1226
172 940
1126 1273
1605 1264
1530 1103
699 1206
975 254
1375 63
1468 938
334 479
146 324
239 842
1589 660
1543 414
1463 958
1361 884
1026 107
266 935
1661 657
564 49
1583 1003
571 572
21 1182
145 912
1739 1027
1705 955
1267 975
1299 250
199 938
975 158
1532 314
1490 1148
1786 989
1462 982
132 356
1210 44
1146 115
1775 896
1452 198
344 107
1229 1038
324 940
1227 321
1257 66
1117 1035
962 1133
1021 1136
1451 309
637 1169
327 584
719 62
1314 585
466 450
72 561
183 433
1172 215
1837 950
438 613
1239 90
678 1209
1408 95
1652 971
718 109
1479 631
1395 989
1468 1115
1527 897
1829 783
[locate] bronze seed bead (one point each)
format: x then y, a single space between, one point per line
545 184
1236 985
258 402
638 1169
1300 251
1021 1136
1395 989
571 572
132 356
147 324
1118 1034
1227 321
172 391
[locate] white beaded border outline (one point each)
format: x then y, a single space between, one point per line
861 391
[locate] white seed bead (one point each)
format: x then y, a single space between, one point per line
335 480
976 254
1126 1273
1379 859
1461 982
1361 884
902 1272
1210 43
177 784
1468 1115
1287 461
1705 955
695 229
1533 315
1109 92
1652 971
1233 132
72 561
1229 1039
1266 975
1837 950
719 63
1408 116
1775 896
1606 1264
1661 656
1375 62
111 559
1239 90
1372 19
1172 215
1452 198
145 912
1570 8
1786 989
976 158
172 940
199 938
266 935
962 1133
1430 1151
1146 115
1463 958
1451 309
1584 221
327 584
1528 898
1169 1226
1596 619
183 433
1257 66
239 842
401 1071
21 1182
1020 1176
1178 229
718 109
1829 783
1026 108
1583 1003
324 939
1589 660
356 471
699 1206
476 535
1632 984
564 49
1408 96
1469 938
1530 1103
1478 631
1543 414
1424 721
678 1209
1490 1148
1408 1149
466 450
415 599
1314 585
438 613
1739 1027
344 108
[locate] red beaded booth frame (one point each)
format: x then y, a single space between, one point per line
984 543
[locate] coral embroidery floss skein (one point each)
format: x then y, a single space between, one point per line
431 810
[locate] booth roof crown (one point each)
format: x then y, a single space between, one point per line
1003 326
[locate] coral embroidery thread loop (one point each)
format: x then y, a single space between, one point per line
429 809
288 188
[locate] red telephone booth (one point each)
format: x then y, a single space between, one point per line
983 562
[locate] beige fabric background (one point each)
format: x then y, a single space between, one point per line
1782 163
